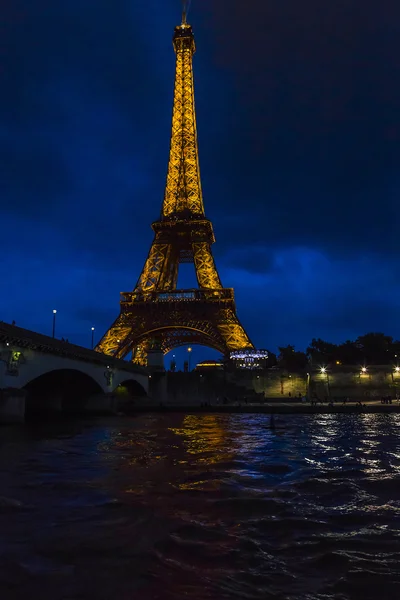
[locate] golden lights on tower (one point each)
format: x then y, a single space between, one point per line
156 309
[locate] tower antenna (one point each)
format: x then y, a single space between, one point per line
185 10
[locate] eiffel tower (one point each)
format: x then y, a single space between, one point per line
156 313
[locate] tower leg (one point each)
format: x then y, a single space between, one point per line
206 271
114 340
154 268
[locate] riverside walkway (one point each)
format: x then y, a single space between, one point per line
276 407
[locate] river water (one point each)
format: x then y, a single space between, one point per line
164 506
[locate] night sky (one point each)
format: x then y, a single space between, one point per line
298 107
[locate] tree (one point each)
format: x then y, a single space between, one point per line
321 352
396 351
290 359
376 348
272 361
349 353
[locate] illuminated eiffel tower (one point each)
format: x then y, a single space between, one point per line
156 314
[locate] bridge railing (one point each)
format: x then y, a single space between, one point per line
14 338
194 295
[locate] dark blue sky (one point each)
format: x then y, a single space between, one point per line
298 109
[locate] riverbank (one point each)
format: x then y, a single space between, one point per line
277 408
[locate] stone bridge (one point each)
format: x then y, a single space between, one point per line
40 373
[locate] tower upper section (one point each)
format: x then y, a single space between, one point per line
183 196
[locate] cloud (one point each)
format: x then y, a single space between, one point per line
307 294
297 109
312 138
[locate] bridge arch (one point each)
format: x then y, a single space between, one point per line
137 383
37 364
59 390
132 387
128 393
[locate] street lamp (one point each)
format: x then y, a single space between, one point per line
189 352
54 322
92 337
325 372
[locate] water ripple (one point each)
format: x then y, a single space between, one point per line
202 506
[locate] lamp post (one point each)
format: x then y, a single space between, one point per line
54 322
189 352
324 371
92 337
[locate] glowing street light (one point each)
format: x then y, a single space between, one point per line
363 369
189 352
397 369
54 322
325 372
92 337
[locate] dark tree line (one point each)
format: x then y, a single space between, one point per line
369 349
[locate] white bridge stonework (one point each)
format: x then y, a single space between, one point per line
32 364
26 355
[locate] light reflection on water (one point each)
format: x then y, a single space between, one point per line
206 506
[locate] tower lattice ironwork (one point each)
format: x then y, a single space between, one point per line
156 311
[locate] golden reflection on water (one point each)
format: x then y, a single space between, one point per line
193 485
218 438
205 437
180 455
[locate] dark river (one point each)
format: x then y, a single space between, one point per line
201 506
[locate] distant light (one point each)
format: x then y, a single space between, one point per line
249 353
54 311
364 369
323 369
338 362
397 369
118 341
8 344
149 376
189 349
92 328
